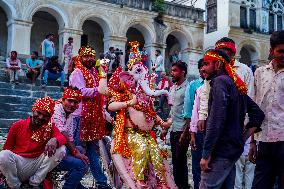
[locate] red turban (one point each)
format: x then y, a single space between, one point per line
226 45
214 56
46 104
72 94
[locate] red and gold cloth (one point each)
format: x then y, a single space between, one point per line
44 132
72 94
226 45
46 104
92 126
214 56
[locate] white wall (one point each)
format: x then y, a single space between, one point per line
222 25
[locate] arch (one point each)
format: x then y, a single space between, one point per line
59 13
185 39
8 9
249 53
144 28
250 43
96 17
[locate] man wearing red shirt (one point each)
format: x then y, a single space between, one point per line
33 147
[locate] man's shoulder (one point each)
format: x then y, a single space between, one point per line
222 79
19 124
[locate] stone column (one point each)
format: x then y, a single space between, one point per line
191 57
151 48
19 36
64 34
116 42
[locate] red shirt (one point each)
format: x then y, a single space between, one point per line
20 141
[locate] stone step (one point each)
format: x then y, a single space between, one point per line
5 124
28 87
16 99
13 114
15 107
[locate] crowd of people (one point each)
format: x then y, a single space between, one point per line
231 118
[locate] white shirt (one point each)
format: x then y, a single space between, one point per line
159 64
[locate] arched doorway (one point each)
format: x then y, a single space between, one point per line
3 33
173 45
93 35
44 23
133 34
249 56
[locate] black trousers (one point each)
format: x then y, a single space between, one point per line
179 160
269 166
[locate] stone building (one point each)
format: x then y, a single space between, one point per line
248 22
102 24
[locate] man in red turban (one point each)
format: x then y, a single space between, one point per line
34 146
75 162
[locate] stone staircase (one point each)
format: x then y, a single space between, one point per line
16 100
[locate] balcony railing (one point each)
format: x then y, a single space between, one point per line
171 9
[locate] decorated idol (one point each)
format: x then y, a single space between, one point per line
135 152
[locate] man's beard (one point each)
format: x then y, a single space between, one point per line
88 64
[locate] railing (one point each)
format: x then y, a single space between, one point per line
171 9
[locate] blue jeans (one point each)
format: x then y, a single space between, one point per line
159 76
47 75
221 175
92 152
196 157
76 170
163 98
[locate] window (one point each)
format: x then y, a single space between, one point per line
243 17
252 18
279 22
211 7
271 23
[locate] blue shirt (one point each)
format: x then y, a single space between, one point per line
190 96
33 63
176 113
48 48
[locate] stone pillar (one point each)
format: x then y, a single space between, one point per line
191 57
64 34
151 48
19 36
116 42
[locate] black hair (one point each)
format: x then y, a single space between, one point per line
276 38
48 35
53 58
70 38
181 65
225 39
200 63
111 48
102 56
35 53
14 52
158 51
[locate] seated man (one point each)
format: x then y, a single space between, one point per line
34 65
74 162
53 70
34 147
